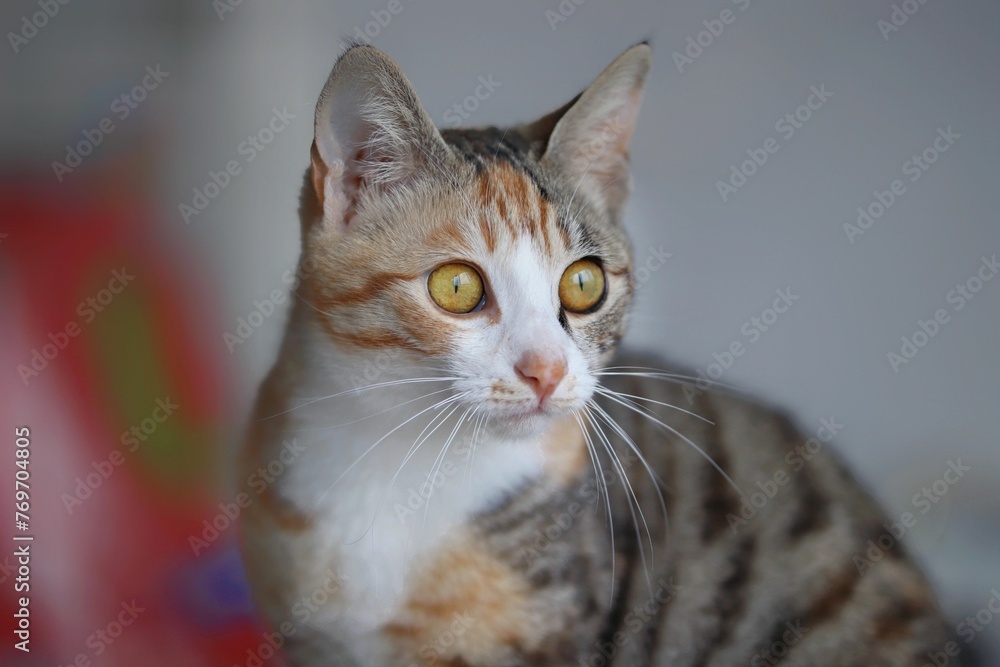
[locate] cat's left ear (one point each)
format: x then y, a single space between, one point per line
589 140
372 135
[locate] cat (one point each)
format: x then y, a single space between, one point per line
460 467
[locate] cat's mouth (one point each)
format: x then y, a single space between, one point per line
529 416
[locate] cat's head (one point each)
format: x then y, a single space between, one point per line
495 256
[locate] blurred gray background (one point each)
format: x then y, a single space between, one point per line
892 86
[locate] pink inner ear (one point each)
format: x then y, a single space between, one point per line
351 183
617 128
338 187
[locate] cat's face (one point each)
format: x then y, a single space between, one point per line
496 258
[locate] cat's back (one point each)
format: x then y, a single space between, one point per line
775 563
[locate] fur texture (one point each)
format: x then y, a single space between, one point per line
437 507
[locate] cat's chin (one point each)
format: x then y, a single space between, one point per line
524 424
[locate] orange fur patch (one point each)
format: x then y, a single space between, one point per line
375 285
565 451
517 203
284 514
467 606
317 173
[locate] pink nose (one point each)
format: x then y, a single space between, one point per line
542 372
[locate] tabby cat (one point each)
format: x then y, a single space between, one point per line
461 471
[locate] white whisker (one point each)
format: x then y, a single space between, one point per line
470 464
655 374
638 409
631 498
439 404
439 461
390 383
374 414
595 460
424 435
656 479
606 391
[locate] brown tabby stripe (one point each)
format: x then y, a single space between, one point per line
896 619
647 431
516 198
730 599
484 146
627 548
642 430
720 499
874 531
543 225
375 285
523 507
812 511
834 598
479 145
372 341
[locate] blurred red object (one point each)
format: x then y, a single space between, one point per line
114 365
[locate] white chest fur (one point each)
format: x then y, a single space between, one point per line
378 518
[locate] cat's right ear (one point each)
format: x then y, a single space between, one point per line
372 134
588 139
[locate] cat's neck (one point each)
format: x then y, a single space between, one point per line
388 470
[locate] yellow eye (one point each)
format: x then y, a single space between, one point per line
582 286
458 288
